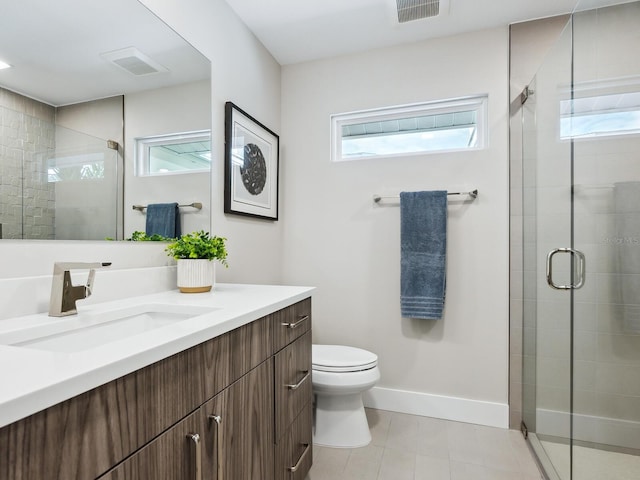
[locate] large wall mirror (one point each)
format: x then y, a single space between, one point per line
89 86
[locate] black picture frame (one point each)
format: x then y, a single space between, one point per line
251 166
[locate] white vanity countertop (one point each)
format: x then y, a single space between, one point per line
32 380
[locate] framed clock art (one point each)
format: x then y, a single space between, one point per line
251 166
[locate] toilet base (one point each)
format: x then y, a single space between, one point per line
341 422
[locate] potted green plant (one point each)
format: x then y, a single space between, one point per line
195 253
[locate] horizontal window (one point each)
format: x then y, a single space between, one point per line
410 130
602 115
174 153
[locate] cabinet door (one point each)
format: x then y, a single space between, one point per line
292 382
238 426
176 454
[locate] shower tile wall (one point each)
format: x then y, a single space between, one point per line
607 314
607 224
26 134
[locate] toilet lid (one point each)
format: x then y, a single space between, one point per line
340 358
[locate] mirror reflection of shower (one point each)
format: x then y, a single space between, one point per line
58 182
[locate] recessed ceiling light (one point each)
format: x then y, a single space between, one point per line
4 65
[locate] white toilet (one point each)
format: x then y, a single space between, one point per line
340 375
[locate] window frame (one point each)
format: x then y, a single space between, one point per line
143 147
570 132
479 103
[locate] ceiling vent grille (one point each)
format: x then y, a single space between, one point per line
409 10
134 61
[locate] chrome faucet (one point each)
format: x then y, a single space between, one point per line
63 293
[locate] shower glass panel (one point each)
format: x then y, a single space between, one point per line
603 123
581 144
81 173
547 226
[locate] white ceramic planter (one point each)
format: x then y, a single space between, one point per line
196 276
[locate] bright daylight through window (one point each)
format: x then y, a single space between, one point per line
174 153
447 125
595 116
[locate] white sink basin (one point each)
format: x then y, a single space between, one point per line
87 330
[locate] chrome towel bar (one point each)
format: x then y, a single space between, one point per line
376 198
197 205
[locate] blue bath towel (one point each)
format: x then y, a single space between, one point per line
423 253
163 219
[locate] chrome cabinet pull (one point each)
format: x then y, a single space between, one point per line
195 439
301 319
307 448
580 270
296 386
217 419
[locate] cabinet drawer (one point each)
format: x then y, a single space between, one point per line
291 323
292 382
294 455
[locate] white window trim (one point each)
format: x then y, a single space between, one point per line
144 144
477 102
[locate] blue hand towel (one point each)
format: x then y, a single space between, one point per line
163 219
423 253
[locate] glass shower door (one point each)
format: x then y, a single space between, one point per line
547 215
581 179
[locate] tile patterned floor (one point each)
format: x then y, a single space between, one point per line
408 447
592 464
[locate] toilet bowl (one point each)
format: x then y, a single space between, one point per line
340 375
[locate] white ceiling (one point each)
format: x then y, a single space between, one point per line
55 46
300 30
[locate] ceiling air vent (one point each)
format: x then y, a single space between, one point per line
409 10
133 61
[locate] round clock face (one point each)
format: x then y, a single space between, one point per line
254 170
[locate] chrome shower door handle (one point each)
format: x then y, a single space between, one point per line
580 270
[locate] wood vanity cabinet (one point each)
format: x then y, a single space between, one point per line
234 392
293 392
229 437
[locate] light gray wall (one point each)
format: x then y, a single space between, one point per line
245 73
162 111
338 240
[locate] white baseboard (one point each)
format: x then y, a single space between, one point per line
438 406
589 428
